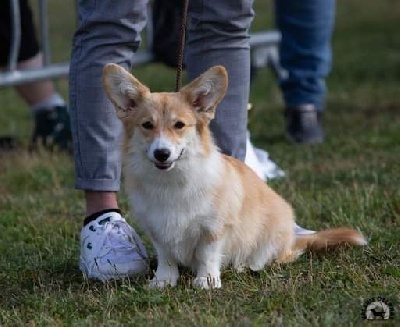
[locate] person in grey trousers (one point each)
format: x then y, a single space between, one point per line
109 31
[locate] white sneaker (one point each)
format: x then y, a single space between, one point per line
111 249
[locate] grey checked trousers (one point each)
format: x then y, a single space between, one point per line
109 31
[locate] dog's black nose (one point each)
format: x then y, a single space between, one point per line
162 154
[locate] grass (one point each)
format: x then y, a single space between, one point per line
352 179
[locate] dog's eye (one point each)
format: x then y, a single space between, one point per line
147 125
179 125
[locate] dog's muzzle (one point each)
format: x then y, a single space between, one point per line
162 156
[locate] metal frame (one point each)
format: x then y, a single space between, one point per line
264 48
265 52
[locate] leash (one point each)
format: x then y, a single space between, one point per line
181 48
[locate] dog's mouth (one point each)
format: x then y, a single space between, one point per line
164 165
167 165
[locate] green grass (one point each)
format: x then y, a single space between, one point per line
352 179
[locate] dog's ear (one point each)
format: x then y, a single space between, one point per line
124 90
205 92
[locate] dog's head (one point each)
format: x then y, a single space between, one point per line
164 125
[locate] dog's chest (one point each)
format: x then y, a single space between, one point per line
175 217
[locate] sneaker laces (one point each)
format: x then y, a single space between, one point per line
118 235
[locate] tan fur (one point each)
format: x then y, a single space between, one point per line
232 217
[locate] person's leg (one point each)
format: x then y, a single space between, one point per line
49 111
108 32
29 46
29 56
218 35
35 92
305 52
48 108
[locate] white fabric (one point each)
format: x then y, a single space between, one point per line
259 161
302 231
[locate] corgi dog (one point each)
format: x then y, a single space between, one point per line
200 208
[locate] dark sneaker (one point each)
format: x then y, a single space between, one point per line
7 143
52 129
303 125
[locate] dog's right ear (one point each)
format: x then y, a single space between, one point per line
124 90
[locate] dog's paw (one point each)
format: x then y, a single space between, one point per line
207 283
161 283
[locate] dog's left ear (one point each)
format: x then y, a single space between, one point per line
205 92
124 90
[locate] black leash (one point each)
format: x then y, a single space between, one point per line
181 48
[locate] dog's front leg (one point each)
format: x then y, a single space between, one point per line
208 265
167 272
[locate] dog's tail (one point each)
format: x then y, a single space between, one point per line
328 239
